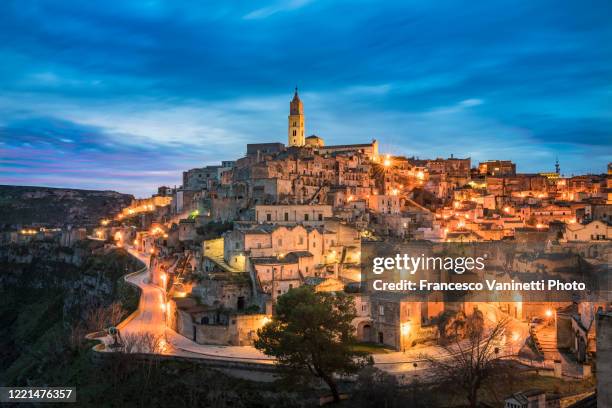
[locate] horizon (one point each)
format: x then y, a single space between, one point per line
128 96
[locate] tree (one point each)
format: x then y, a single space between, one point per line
473 359
98 318
311 335
376 388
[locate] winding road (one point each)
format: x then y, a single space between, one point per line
151 318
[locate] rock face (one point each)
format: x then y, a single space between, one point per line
87 275
22 205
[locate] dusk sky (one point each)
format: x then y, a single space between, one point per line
126 95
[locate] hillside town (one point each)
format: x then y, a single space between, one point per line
237 235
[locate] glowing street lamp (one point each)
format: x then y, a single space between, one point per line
387 161
405 331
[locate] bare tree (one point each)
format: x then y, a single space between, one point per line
100 317
142 343
473 359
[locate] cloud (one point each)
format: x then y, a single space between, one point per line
128 94
468 103
278 7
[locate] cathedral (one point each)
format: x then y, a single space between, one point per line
296 134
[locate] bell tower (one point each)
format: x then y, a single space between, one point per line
296 135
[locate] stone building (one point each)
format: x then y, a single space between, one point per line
292 214
384 204
211 325
593 231
314 141
396 321
497 168
604 358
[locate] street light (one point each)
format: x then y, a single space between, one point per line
405 330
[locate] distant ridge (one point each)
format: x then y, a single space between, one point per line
53 206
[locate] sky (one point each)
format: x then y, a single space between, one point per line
125 95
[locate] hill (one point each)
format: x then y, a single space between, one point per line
24 205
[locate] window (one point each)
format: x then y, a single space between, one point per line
364 307
320 217
286 216
237 245
301 240
381 310
294 134
305 217
268 217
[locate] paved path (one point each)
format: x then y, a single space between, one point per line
547 335
151 318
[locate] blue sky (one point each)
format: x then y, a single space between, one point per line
126 95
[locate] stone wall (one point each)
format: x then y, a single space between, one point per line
604 359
